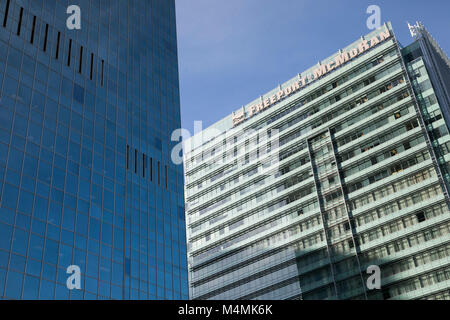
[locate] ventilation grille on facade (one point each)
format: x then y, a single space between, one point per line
141 164
47 40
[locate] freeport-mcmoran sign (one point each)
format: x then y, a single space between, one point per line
342 58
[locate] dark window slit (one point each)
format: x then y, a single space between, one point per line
70 52
19 25
128 156
46 37
58 39
33 29
151 169
143 165
92 66
5 18
81 60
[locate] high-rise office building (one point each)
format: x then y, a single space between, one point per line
85 171
345 166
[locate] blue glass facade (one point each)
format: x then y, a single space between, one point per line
85 171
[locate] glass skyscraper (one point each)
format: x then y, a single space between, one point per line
346 166
85 171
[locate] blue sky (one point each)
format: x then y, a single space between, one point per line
232 51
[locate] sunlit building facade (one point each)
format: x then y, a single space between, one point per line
345 166
85 171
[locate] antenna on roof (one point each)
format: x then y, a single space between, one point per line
412 30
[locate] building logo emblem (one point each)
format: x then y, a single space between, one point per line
323 69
